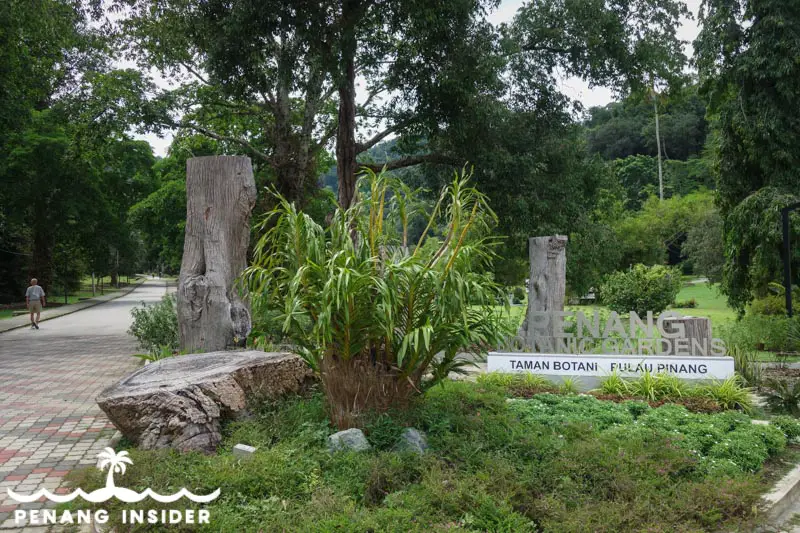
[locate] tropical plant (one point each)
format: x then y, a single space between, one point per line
646 386
569 385
730 394
369 316
642 289
783 396
746 364
615 385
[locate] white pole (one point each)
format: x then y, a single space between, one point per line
658 143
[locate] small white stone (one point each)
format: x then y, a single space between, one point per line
243 450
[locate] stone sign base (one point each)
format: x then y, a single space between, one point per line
590 370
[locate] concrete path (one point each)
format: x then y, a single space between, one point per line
49 378
48 313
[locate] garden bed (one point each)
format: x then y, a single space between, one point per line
546 463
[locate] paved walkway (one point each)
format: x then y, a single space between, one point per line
49 378
48 313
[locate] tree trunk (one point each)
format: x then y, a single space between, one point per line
546 284
696 331
346 129
182 402
220 193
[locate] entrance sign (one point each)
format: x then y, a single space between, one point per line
571 332
628 366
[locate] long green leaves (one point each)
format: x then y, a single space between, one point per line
357 290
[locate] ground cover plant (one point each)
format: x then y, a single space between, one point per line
546 463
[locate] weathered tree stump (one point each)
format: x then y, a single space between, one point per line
180 402
546 285
696 334
220 193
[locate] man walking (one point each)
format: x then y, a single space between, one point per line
34 300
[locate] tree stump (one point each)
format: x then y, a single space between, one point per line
181 401
696 331
546 284
220 193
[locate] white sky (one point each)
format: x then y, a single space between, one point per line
573 87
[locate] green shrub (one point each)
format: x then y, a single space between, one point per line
749 446
788 424
518 295
155 326
641 289
686 304
772 305
730 394
783 396
762 332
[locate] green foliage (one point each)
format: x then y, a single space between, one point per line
746 364
783 396
493 465
627 128
691 303
705 246
730 394
749 83
615 385
770 305
788 424
569 385
641 289
353 298
761 332
155 326
519 295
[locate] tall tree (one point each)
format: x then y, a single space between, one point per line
746 57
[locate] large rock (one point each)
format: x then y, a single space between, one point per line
348 440
180 402
413 440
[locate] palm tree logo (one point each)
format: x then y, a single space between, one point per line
115 462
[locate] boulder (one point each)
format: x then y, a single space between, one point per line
413 440
348 440
181 402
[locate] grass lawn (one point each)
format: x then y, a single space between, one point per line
710 303
550 463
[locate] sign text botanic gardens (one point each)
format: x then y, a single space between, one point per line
573 344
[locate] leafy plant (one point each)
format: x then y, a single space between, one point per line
614 384
691 303
518 295
647 387
746 364
789 425
569 385
783 396
155 326
641 289
370 314
731 394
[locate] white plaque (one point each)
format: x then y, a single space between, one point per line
629 366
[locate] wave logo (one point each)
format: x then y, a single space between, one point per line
115 462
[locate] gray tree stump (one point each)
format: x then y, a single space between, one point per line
695 330
181 402
220 193
546 285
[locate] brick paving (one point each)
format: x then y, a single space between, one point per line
49 378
